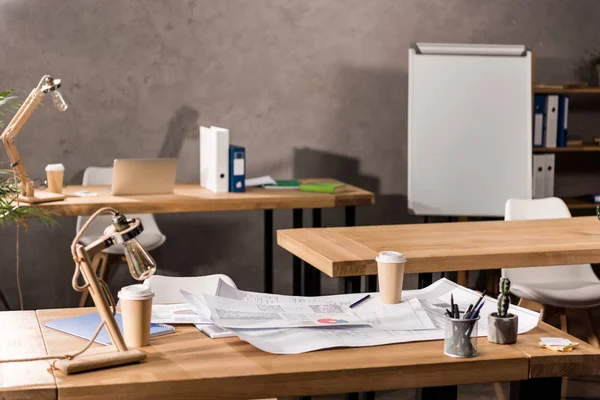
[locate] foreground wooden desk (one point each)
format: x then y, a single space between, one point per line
189 365
193 198
347 252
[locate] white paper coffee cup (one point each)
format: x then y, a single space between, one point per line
390 274
136 311
55 174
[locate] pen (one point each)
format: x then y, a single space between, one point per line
480 299
475 313
359 301
456 311
451 302
466 315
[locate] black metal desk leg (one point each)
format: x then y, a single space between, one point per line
425 278
438 393
297 263
312 276
268 251
352 284
540 388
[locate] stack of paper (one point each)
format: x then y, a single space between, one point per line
293 324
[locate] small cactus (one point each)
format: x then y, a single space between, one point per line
504 298
598 212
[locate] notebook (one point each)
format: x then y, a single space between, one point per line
284 184
84 327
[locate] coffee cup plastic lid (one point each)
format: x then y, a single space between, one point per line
55 167
390 257
135 292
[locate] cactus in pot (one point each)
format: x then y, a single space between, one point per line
504 298
503 326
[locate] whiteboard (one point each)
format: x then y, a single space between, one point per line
469 128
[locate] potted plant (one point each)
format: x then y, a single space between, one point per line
502 326
595 62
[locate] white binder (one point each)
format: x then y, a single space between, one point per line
214 159
539 176
551 120
549 175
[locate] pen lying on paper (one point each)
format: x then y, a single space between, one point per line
359 301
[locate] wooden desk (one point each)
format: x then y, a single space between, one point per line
193 198
189 365
345 252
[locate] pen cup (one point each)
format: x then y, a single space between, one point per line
461 337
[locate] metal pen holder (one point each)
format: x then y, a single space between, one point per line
461 337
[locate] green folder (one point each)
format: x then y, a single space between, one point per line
284 184
322 187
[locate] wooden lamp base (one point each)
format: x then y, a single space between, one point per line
100 360
42 197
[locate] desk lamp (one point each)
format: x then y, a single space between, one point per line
47 84
141 266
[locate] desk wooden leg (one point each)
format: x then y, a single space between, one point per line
268 251
437 393
297 263
540 388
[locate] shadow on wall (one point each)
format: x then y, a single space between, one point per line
183 124
371 121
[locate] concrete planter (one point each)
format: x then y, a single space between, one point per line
502 330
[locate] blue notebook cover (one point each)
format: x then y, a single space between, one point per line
84 327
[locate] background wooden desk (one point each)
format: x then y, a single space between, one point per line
193 198
347 252
190 365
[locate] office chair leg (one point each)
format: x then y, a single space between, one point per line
590 330
531 305
499 391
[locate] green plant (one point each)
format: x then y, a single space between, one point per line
7 101
504 298
11 210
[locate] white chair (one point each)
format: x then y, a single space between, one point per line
555 289
151 238
166 288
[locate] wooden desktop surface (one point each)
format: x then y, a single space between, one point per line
351 251
194 198
187 364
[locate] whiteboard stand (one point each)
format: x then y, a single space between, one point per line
469 128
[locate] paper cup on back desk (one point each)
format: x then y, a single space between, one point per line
390 273
136 311
55 174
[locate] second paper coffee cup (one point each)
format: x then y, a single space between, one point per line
55 175
136 311
390 273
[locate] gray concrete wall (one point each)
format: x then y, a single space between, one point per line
310 87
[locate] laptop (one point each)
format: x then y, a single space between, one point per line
143 176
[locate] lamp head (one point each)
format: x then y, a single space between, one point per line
141 265
51 85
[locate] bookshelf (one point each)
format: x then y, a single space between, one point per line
566 90
571 149
576 204
569 89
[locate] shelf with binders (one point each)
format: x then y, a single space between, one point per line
576 204
543 89
569 149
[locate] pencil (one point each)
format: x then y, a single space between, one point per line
359 301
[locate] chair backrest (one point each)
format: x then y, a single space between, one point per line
103 176
548 208
166 288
